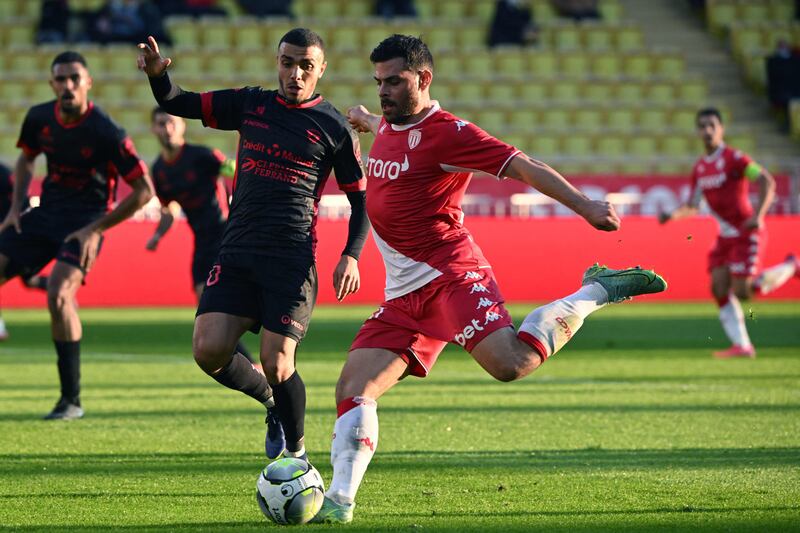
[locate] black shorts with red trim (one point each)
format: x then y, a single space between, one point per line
279 293
206 251
42 240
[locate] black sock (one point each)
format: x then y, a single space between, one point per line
244 351
240 375
290 403
69 369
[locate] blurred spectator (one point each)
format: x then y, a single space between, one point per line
512 24
577 9
395 8
784 50
191 8
127 21
267 8
53 20
783 77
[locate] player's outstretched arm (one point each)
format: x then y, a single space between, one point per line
89 236
169 96
168 214
23 172
546 180
684 211
362 120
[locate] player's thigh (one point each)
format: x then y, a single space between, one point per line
277 356
64 280
216 334
3 265
369 372
504 356
288 293
720 281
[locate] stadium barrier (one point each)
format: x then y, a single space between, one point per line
535 259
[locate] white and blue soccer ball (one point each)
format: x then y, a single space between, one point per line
290 491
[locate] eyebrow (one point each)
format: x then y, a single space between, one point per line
388 78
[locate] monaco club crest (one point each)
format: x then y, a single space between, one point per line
414 137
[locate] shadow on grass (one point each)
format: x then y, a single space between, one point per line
412 463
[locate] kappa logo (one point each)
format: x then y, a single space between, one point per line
485 302
473 275
460 124
414 137
378 168
478 287
491 316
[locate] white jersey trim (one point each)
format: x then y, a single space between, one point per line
454 168
434 108
403 274
715 154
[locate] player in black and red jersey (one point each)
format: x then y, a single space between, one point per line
265 278
186 177
6 193
86 154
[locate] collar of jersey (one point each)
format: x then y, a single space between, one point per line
311 102
711 158
434 108
77 122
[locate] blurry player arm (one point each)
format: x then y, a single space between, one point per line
544 179
346 278
362 120
23 173
168 214
89 235
227 168
684 211
766 193
169 96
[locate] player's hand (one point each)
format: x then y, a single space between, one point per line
663 217
358 116
346 279
12 219
89 240
152 244
753 222
601 215
150 60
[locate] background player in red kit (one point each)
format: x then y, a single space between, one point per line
265 278
439 286
86 154
186 177
723 176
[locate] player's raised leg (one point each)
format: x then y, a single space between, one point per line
508 356
776 276
366 376
63 283
215 337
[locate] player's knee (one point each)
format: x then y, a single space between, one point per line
743 292
208 354
59 299
514 365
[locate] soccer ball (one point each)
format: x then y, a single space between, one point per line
290 491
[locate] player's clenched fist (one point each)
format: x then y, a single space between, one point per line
150 60
602 216
359 118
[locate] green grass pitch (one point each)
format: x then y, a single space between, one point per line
633 427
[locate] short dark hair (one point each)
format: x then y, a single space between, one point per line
303 37
708 112
157 110
68 57
411 49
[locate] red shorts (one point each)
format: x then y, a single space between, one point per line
462 309
740 254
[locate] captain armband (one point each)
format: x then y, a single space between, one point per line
752 171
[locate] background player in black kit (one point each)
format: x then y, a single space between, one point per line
186 176
290 140
86 154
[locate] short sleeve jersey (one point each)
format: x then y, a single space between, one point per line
191 180
84 158
6 190
720 178
286 153
417 176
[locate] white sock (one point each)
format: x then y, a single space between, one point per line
355 438
732 319
555 323
773 277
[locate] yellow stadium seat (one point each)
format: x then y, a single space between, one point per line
517 140
189 63
781 10
642 146
794 118
216 34
471 37
426 9
652 120
611 146
479 65
355 65
274 32
131 117
542 64
96 60
492 121
620 119
693 91
374 34
556 119
637 66
13 90
184 31
509 62
533 93
544 146
577 145
743 142
574 65
140 92
683 120
587 119
670 167
147 146
610 11
342 95
345 38
483 10
752 12
524 119
565 92
356 9
744 40
121 61
629 39
469 92
676 145
670 66
606 66
663 93
597 38
326 9
440 39
222 65
249 35
451 9
567 38
20 35
543 11
720 15
26 62
629 92
598 92
444 93
448 65
256 64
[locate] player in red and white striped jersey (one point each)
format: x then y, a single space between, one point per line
439 286
723 176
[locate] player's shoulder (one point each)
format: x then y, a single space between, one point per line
442 119
732 153
43 111
101 118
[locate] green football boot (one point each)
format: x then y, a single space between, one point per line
624 284
334 513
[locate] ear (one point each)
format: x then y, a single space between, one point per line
425 79
322 68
